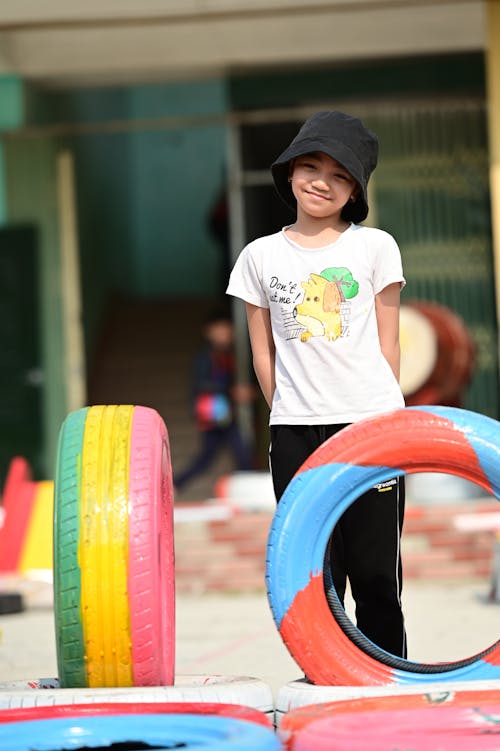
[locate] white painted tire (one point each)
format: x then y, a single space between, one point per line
220 689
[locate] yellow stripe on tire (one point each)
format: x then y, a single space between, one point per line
103 546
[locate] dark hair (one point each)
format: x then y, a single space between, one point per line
217 315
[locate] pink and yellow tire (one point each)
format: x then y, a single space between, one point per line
114 596
330 651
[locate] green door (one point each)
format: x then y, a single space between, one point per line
20 372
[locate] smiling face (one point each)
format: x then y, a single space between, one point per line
321 186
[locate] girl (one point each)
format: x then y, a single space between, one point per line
322 301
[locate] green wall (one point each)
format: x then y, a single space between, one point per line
32 199
28 197
143 192
365 79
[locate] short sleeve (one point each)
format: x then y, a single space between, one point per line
245 280
388 268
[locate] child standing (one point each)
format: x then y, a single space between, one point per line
322 300
214 395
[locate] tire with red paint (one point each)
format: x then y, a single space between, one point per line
441 728
300 695
24 714
113 549
296 721
411 440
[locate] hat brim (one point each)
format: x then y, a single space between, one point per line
354 211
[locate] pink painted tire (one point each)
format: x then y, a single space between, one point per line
295 722
151 582
299 700
237 711
440 728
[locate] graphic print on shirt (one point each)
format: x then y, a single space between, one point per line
325 307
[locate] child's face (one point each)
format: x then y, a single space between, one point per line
321 186
220 334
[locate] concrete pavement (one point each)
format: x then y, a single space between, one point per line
235 634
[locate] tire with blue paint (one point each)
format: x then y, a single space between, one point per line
411 440
156 731
113 549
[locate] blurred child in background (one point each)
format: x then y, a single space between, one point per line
214 396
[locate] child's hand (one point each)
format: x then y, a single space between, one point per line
242 393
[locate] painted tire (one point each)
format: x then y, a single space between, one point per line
298 696
430 729
186 730
422 439
236 711
220 689
113 549
295 721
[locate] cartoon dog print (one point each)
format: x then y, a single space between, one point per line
319 311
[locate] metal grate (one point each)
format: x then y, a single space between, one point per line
431 192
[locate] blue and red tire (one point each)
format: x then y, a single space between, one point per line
423 439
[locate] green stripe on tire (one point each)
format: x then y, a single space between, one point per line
68 624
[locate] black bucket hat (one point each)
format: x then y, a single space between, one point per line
345 139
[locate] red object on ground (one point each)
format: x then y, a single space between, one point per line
17 500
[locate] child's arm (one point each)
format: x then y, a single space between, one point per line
263 351
387 310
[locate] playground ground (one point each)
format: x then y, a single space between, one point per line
235 634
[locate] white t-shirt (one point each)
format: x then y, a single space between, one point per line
329 365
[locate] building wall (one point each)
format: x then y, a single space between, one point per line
146 181
144 189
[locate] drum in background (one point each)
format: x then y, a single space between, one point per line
437 354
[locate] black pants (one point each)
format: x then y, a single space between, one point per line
365 543
211 443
